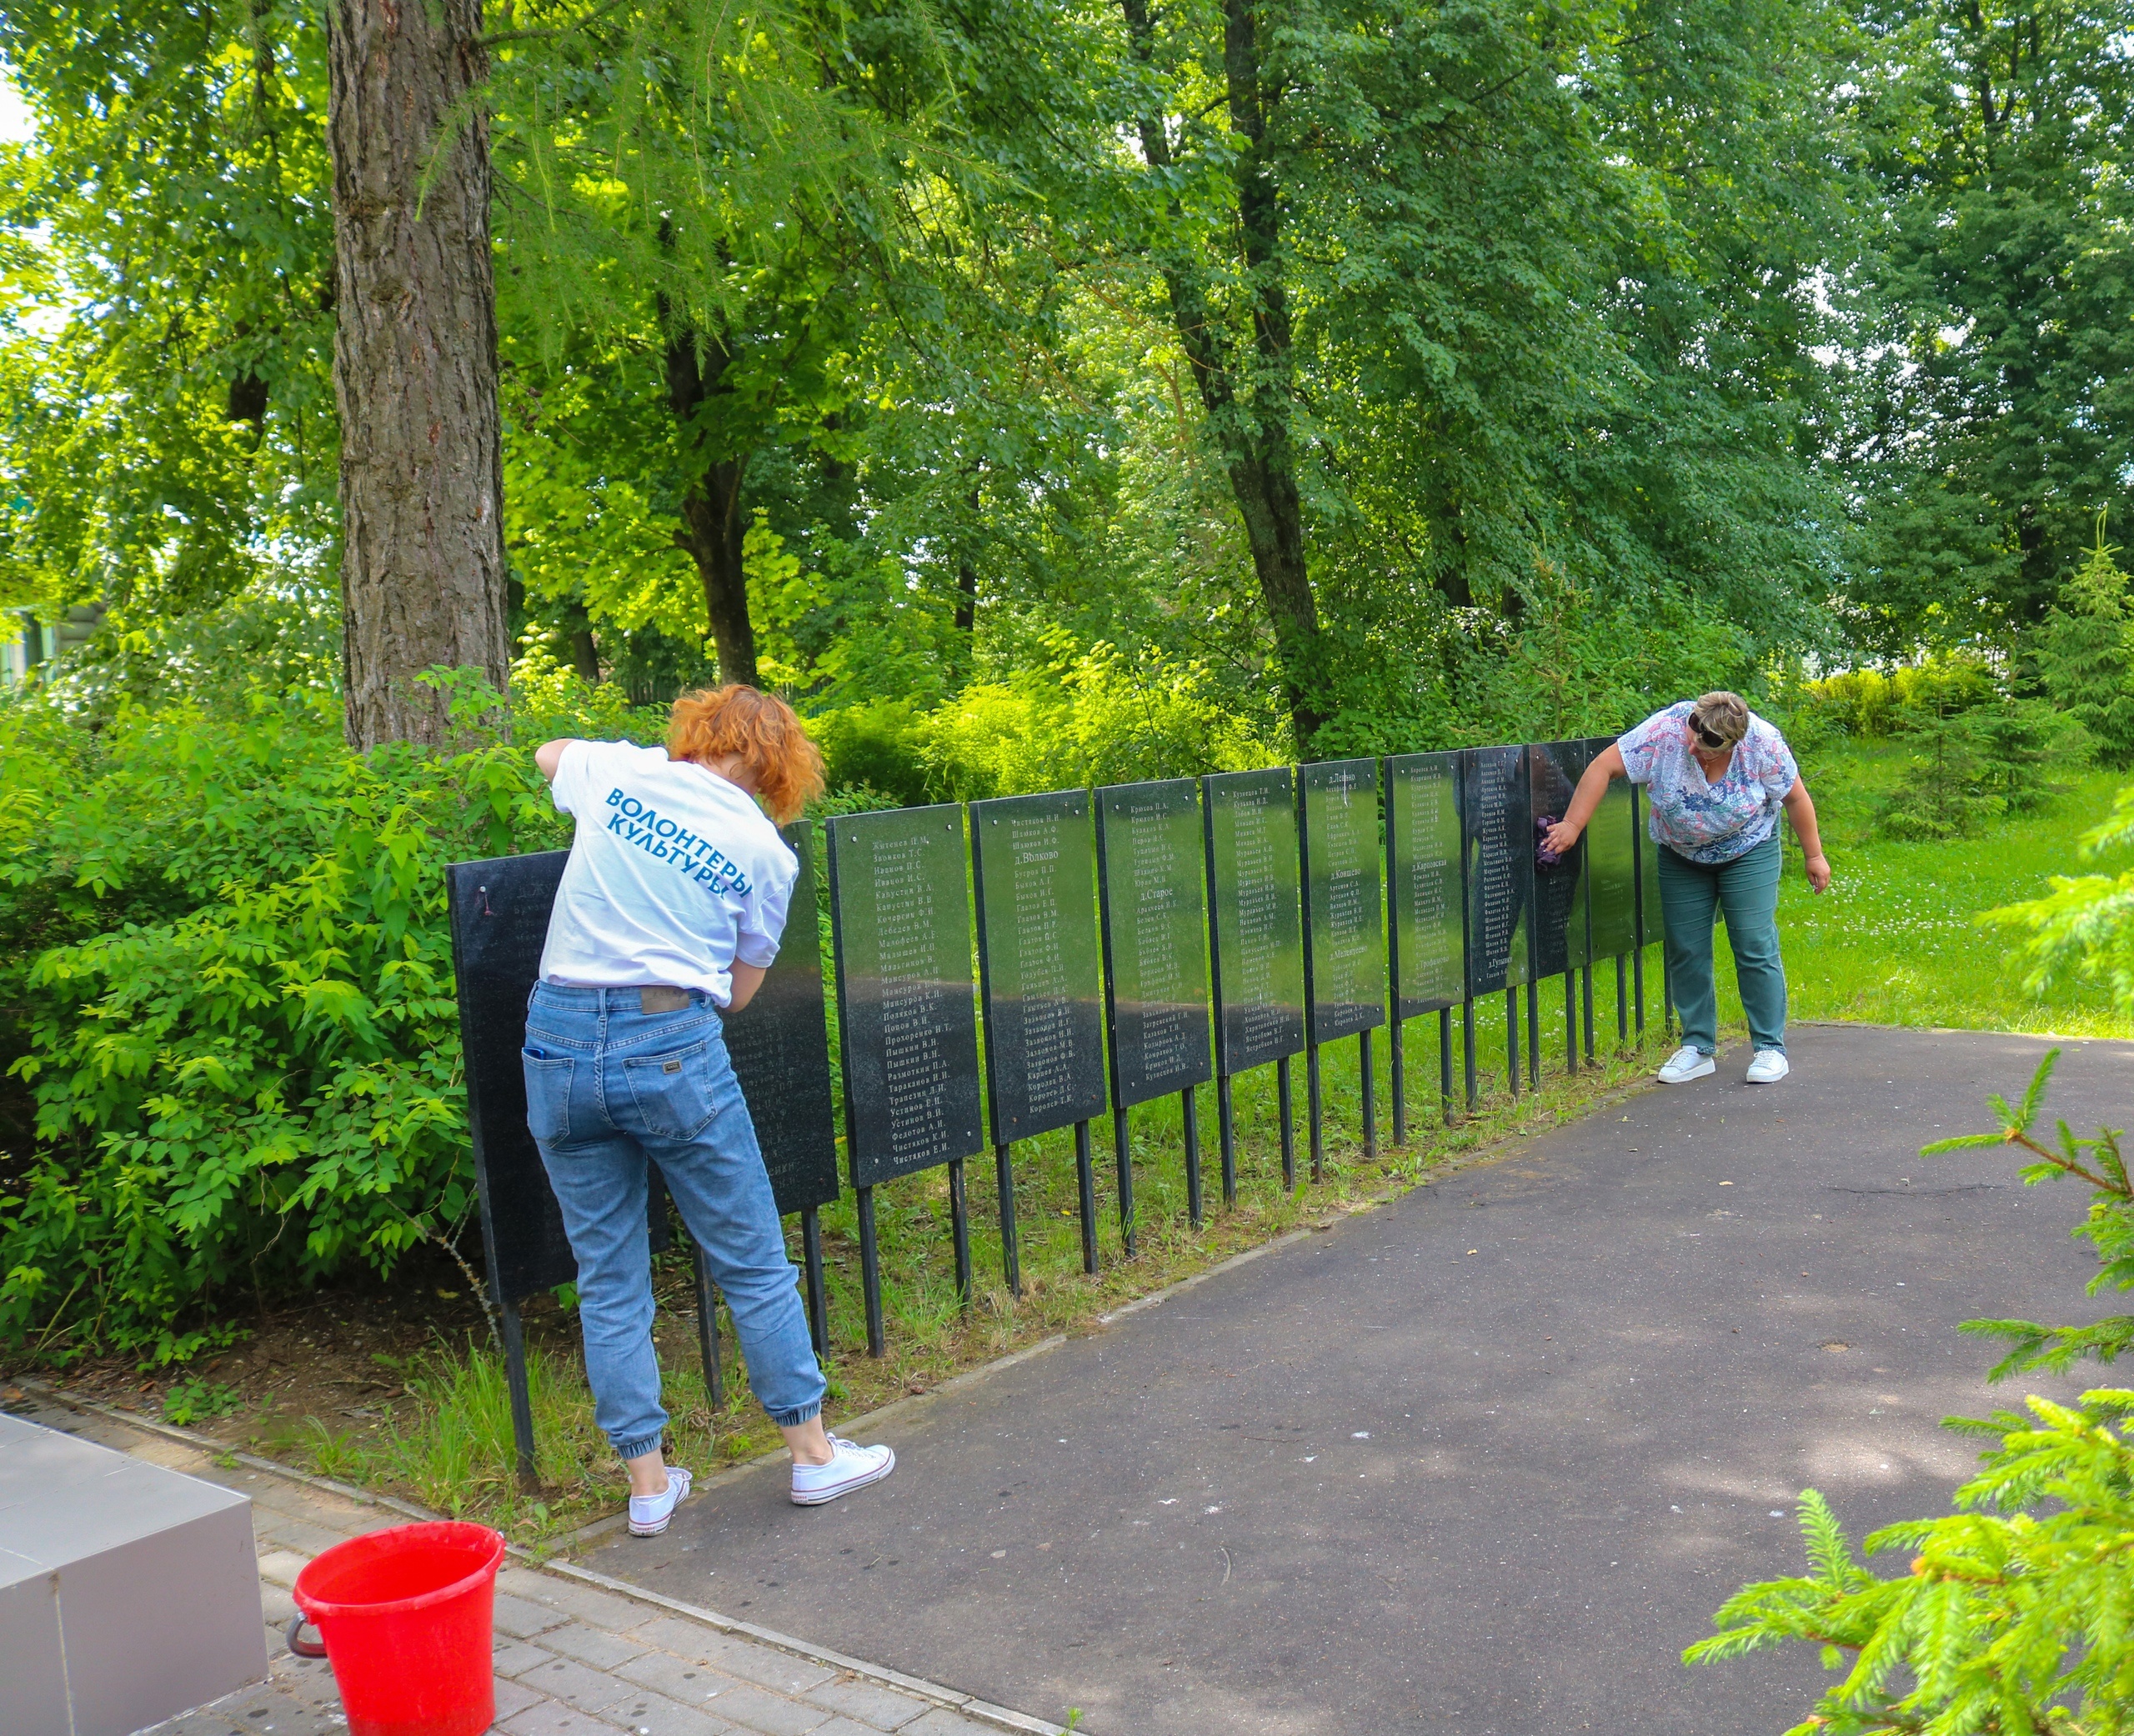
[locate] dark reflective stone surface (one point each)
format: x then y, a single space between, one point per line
1256 914
1556 921
1038 961
1611 865
1648 875
900 913
1428 926
1344 932
499 915
780 1047
1496 848
1156 937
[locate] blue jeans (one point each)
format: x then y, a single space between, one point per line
609 1086
1692 896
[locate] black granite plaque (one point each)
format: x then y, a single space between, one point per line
1036 871
1496 847
1611 864
1648 874
778 1044
1344 930
907 1020
1156 937
1428 928
1557 921
780 1047
1255 914
499 916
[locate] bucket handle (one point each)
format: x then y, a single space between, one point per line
301 1647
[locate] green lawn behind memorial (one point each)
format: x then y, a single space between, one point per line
1895 941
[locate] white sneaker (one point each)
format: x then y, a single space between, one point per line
649 1513
851 1467
1769 1067
1685 1064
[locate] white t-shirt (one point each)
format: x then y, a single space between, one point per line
673 874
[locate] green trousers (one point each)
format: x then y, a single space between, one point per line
1692 895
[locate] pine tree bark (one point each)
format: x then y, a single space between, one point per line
423 572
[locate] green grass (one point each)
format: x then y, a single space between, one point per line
1895 941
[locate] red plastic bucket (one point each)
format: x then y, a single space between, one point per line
406 1615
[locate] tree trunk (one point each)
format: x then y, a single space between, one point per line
422 573
1251 427
713 520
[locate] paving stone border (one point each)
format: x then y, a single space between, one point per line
577 1653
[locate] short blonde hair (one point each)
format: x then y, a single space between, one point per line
760 730
1723 714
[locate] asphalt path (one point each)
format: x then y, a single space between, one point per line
1483 1460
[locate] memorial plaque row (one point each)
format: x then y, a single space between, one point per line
1132 942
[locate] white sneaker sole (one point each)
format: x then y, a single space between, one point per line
831 1491
1768 1080
1704 1071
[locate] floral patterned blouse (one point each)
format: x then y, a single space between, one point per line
1708 822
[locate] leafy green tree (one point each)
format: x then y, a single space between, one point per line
1993 414
166 330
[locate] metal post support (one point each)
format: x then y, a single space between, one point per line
959 1230
871 1271
1511 1038
1585 997
522 1396
1637 972
1570 1021
1622 1004
1286 1100
1085 1183
1314 1114
1444 1061
1395 1066
811 1266
707 1329
1370 1106
1188 1110
1226 1136
1467 1049
1011 1257
1533 1036
1126 1156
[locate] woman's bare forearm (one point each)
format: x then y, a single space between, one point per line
1800 810
1586 799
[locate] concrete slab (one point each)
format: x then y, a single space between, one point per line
132 1586
1481 1462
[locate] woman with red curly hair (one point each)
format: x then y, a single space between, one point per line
669 914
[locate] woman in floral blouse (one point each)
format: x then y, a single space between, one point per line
1716 777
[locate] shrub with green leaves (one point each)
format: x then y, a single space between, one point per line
1865 703
229 989
2017 1614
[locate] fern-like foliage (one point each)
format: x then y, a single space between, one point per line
2017 1617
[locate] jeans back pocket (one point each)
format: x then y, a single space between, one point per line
548 1095
672 1092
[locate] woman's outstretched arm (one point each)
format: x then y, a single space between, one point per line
1586 798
